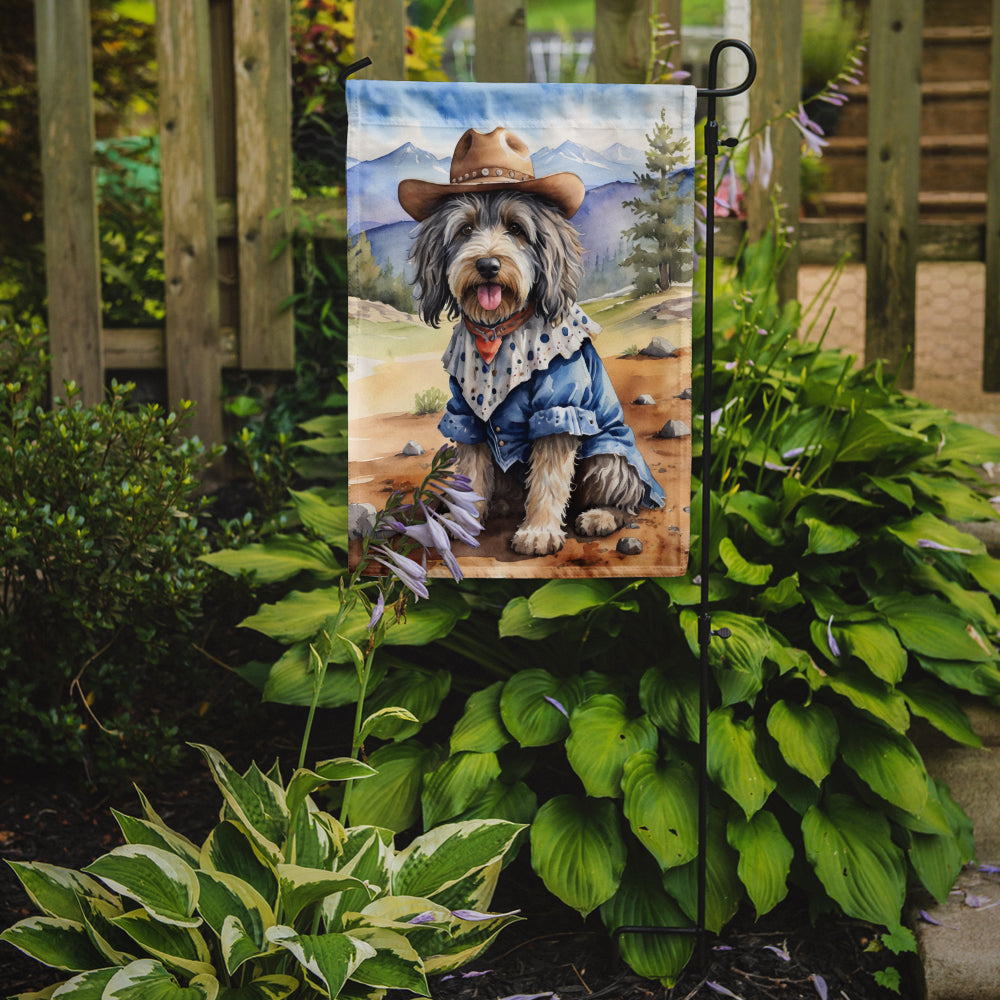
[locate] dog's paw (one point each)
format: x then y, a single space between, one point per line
532 541
597 522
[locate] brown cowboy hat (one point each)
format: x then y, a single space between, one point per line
492 162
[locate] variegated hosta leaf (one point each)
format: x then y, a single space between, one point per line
468 939
578 851
86 986
116 946
274 987
225 897
642 902
367 853
54 941
661 805
441 857
147 979
256 801
476 890
807 736
141 831
456 784
158 880
602 737
765 858
56 891
329 959
300 887
851 849
230 849
177 947
535 706
732 760
304 782
481 727
723 889
315 838
395 964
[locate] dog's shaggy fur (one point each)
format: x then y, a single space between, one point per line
485 256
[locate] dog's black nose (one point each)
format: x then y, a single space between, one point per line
488 267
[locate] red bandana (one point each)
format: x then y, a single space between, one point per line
488 337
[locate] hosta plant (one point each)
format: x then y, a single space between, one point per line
279 900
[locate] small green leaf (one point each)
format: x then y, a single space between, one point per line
807 736
671 699
828 539
888 763
739 569
578 851
732 760
561 598
481 727
279 558
765 858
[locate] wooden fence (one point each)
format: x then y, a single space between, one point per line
226 161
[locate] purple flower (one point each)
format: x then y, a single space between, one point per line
820 983
761 162
811 132
377 611
780 952
475 915
558 705
427 917
927 543
834 648
719 988
410 573
460 532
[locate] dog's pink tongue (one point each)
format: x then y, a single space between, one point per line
489 295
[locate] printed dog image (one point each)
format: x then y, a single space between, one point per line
532 410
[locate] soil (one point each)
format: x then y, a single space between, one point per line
550 953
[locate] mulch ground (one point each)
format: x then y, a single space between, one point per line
550 953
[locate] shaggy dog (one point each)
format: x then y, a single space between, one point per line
532 410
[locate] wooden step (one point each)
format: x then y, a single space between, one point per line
956 53
958 206
947 162
945 12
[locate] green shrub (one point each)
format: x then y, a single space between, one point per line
279 900
101 584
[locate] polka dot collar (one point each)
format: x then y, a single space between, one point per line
527 350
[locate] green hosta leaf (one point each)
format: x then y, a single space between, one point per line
159 881
760 512
985 569
330 959
578 851
275 987
535 706
443 856
894 489
291 680
517 620
739 569
732 760
481 728
54 941
957 501
279 558
928 528
516 803
765 858
391 798
387 723
224 898
723 889
976 678
738 661
641 901
301 887
870 435
327 520
56 891
941 709
850 848
876 646
418 691
975 605
304 782
142 831
661 798
602 738
783 595
931 628
937 859
866 692
685 593
260 806
456 784
147 979
559 598
230 849
888 763
671 699
395 964
965 443
807 736
177 947
828 539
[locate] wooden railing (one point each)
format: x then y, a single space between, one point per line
226 160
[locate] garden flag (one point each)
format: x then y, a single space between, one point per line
520 262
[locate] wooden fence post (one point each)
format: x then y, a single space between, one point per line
776 34
261 57
623 37
991 331
501 41
190 251
72 255
380 34
892 214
